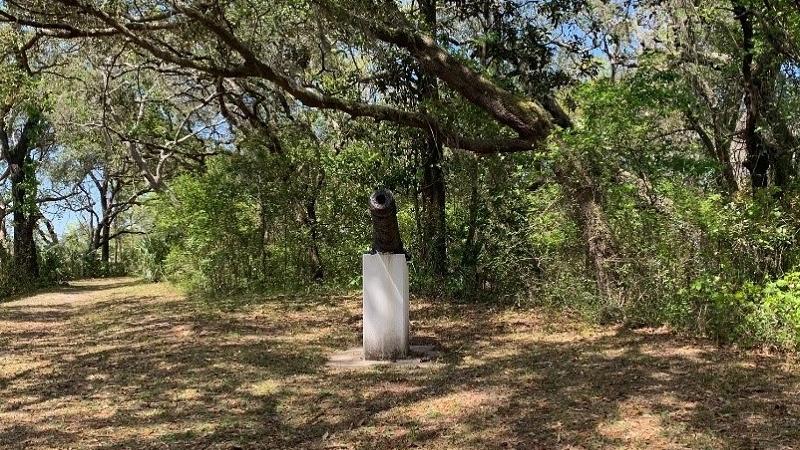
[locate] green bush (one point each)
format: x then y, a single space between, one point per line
754 315
151 252
211 227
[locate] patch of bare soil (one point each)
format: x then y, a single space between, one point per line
118 363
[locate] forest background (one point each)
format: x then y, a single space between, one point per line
627 161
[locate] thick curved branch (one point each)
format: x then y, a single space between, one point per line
67 31
528 118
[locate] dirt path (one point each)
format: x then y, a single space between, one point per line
123 364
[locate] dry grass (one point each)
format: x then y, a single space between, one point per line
123 364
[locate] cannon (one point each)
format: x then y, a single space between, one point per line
385 278
385 229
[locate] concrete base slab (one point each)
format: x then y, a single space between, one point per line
419 356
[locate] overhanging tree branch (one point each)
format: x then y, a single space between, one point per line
526 117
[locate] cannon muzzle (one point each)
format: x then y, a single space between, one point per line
386 231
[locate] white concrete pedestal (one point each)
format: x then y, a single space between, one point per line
385 306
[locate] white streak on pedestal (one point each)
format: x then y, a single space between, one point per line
385 306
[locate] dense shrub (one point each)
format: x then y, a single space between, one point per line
756 314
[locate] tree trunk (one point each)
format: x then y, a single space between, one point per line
23 199
262 236
104 233
434 220
738 149
105 247
748 149
469 259
4 211
433 188
310 220
587 210
25 259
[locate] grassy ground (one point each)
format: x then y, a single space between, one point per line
124 364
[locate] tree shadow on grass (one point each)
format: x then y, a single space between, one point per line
100 285
149 367
144 372
79 287
628 389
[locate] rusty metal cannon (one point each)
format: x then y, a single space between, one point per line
385 229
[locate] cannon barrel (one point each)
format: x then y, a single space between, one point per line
386 231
